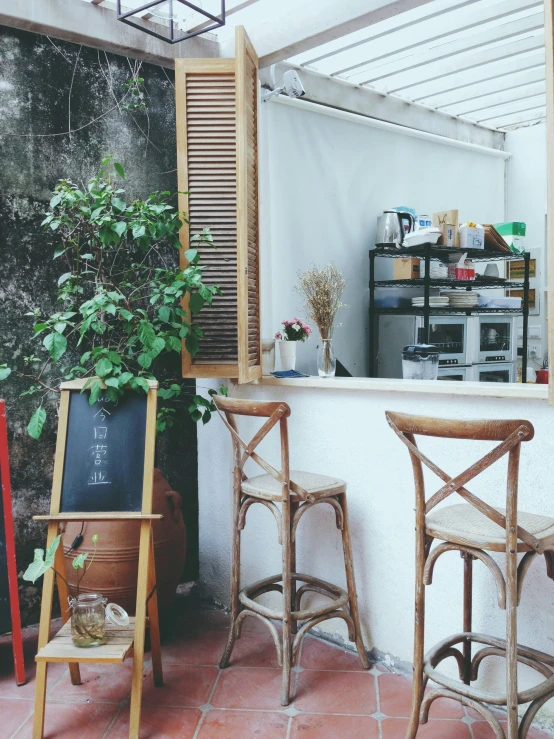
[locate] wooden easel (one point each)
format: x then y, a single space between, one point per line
122 641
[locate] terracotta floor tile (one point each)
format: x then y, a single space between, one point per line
158 723
317 655
335 692
482 730
203 648
255 650
395 693
249 687
8 688
243 725
394 728
184 685
320 726
13 713
100 683
73 721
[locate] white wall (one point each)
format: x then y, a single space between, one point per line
344 433
526 201
326 177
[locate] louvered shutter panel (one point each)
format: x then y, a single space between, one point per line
217 148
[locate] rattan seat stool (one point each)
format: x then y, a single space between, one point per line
475 528
296 492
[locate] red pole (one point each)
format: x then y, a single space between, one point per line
17 636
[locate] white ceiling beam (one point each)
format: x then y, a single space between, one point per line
349 46
312 23
456 22
336 93
444 51
492 71
512 106
531 122
98 27
517 119
473 91
524 106
475 60
485 102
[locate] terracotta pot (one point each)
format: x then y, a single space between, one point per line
115 568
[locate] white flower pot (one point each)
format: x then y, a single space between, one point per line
287 353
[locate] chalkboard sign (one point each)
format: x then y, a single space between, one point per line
5 618
104 454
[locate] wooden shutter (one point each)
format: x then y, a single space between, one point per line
217 153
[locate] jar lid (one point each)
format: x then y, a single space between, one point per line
117 615
421 350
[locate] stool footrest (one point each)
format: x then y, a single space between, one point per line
539 661
338 596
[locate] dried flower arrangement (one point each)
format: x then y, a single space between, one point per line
295 330
322 290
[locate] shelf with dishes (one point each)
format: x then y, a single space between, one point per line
478 282
444 252
421 310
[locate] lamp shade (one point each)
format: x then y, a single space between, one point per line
174 21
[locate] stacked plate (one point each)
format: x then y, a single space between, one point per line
462 298
435 301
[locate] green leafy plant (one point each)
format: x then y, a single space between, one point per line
121 318
82 628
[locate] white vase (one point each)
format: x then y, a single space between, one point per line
287 353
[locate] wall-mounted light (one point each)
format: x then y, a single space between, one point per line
168 18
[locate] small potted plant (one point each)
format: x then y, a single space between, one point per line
292 331
88 611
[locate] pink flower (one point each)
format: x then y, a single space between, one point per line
278 335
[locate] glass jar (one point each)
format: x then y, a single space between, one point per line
88 619
326 361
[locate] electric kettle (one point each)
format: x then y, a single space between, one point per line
393 225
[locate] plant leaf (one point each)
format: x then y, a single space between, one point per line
145 360
56 344
119 169
118 204
64 278
36 424
196 303
103 367
119 228
40 563
5 372
79 560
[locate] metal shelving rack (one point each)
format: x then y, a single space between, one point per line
429 252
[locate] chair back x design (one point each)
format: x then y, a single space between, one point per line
510 434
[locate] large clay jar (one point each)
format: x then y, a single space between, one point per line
115 568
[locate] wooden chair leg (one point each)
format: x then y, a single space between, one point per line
468 612
351 583
511 646
287 603
140 628
294 624
235 584
419 638
153 618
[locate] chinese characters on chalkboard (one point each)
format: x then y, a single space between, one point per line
99 451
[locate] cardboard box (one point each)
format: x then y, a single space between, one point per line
448 234
513 234
406 269
471 237
447 218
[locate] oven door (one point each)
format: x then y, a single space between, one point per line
496 339
501 372
454 374
449 334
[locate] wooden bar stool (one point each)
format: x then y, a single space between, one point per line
473 529
297 492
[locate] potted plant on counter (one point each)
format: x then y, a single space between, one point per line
120 321
287 337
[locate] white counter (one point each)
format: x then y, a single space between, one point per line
345 433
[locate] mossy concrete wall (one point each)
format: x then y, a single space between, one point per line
61 113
